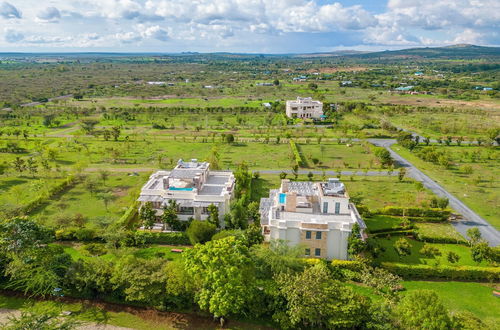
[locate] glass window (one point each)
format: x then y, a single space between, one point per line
325 207
308 235
317 252
337 208
318 235
307 253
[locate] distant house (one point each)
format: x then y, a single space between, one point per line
193 186
487 89
346 83
156 83
419 73
315 215
404 88
264 84
300 78
266 105
304 107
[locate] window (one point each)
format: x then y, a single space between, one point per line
337 208
186 210
325 207
307 253
308 235
317 252
318 235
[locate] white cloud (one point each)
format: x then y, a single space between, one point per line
13 36
49 14
128 37
8 11
468 36
154 32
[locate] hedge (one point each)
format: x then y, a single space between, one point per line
433 239
296 153
129 216
69 181
400 232
427 219
415 212
352 265
471 273
174 238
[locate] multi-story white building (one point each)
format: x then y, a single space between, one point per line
304 107
193 187
318 216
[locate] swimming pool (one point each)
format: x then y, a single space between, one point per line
282 198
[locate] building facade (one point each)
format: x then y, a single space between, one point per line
315 215
193 186
304 107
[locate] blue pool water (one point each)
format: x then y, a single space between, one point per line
183 189
282 198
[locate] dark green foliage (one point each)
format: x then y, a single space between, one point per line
200 231
423 309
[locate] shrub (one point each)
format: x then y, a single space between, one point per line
415 212
95 249
168 238
85 234
200 231
470 273
296 153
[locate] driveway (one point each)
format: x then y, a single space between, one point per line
470 218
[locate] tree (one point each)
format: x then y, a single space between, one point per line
480 251
276 82
229 138
200 231
32 166
213 215
227 260
430 251
310 176
283 175
427 140
148 215
494 135
452 257
253 213
170 217
104 175
88 125
313 86
116 131
19 164
355 245
402 247
141 280
41 320
91 185
422 309
106 197
314 300
401 173
106 134
474 235
384 156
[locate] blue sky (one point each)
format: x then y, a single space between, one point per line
257 26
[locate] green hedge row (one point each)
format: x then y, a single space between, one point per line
69 181
129 216
432 239
352 265
469 273
416 212
399 232
177 238
427 219
296 153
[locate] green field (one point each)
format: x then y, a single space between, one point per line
480 190
390 255
476 298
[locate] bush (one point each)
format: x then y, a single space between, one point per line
70 181
298 159
129 217
416 212
200 231
95 249
85 234
66 234
469 273
433 239
168 238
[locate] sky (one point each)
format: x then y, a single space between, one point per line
250 26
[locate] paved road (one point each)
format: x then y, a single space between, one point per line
470 218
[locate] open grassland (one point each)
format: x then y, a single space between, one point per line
476 298
474 178
389 254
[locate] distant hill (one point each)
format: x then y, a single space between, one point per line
462 51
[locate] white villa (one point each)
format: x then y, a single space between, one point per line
193 187
318 216
304 107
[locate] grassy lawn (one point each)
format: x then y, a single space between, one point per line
78 200
476 298
479 190
380 222
76 251
390 255
439 230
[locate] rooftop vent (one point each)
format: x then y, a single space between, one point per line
334 187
